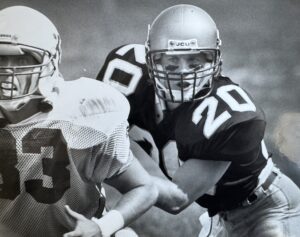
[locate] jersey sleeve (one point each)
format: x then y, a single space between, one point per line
242 142
109 158
93 121
114 156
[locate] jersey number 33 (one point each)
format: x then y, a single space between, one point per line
34 146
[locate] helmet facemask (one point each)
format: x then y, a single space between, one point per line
17 81
182 75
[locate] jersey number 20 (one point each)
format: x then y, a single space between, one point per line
212 122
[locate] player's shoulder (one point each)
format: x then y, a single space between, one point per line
223 81
90 96
133 53
228 106
91 105
128 58
237 101
125 69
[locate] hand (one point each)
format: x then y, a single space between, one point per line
171 198
84 226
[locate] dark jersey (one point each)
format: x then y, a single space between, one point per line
225 126
125 69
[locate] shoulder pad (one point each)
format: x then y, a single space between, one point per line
90 104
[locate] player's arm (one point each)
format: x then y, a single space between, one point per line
139 194
169 193
124 172
148 162
196 177
191 180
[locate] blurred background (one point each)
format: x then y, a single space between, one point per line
260 51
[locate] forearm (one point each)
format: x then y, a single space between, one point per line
136 202
139 194
131 206
170 199
196 177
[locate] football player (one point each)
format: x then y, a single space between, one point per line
59 140
208 121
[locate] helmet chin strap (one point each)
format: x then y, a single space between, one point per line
160 108
3 120
33 106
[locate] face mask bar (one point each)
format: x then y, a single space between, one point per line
202 78
45 69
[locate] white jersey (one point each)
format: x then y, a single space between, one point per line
53 159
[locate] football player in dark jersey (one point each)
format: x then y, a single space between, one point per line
208 121
59 140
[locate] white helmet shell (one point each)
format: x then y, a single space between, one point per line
21 25
25 30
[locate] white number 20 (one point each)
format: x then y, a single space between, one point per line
212 122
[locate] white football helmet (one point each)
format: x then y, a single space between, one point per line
25 31
183 32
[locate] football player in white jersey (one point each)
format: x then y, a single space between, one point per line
59 140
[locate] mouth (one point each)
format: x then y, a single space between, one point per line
183 84
8 88
206 85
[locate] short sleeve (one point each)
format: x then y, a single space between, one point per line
112 157
242 142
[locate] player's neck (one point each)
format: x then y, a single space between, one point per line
162 107
27 110
172 106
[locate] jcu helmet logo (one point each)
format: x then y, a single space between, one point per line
182 44
8 38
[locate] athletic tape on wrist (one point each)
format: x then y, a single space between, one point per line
110 222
